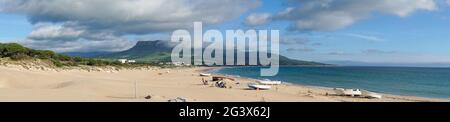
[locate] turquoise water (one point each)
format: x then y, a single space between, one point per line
424 82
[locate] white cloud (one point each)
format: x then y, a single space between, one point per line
6 40
294 40
304 49
366 37
338 53
376 51
75 20
258 19
130 16
80 45
330 15
54 32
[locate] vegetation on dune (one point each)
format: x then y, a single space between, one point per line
18 52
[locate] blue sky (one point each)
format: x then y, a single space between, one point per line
14 27
416 34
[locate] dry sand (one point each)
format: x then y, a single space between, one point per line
21 84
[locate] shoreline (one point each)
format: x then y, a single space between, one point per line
388 95
18 83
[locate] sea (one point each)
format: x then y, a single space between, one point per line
409 81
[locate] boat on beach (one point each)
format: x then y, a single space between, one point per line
269 82
205 74
259 87
347 92
371 95
357 92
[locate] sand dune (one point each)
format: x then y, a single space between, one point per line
18 84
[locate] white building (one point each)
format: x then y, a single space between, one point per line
122 61
131 61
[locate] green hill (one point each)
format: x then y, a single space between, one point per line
160 51
143 51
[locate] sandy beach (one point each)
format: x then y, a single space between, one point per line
18 83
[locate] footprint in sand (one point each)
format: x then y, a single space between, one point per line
63 85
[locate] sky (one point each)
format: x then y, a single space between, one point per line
358 32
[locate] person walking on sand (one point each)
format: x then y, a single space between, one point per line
205 82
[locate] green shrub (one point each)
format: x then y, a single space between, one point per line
18 57
78 59
42 54
63 57
12 49
57 63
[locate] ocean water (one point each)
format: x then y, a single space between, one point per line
423 82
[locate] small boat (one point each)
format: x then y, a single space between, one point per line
259 87
269 82
347 92
178 99
352 92
369 94
339 91
205 74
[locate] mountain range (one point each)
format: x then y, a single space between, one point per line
160 51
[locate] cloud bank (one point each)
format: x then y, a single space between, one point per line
103 24
331 15
68 21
